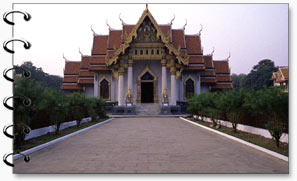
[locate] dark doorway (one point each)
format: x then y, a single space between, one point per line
147 92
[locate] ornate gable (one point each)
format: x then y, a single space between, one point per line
147 30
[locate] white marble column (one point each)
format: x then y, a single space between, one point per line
130 75
173 86
164 75
96 85
121 88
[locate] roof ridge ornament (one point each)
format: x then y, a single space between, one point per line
80 52
199 33
228 56
109 28
123 23
213 50
146 7
184 27
172 19
64 58
94 33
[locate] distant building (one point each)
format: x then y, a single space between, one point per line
281 77
147 61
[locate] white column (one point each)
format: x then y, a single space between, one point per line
164 78
96 85
121 88
130 75
198 86
173 85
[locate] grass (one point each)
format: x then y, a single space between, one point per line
249 137
52 136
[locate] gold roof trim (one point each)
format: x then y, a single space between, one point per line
165 39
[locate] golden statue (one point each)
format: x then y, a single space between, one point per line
129 96
165 95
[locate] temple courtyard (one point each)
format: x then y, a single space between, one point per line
150 145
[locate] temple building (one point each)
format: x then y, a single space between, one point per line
146 62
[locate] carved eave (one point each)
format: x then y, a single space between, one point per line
165 39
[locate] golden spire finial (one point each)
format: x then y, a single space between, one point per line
146 7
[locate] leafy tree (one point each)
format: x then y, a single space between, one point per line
44 79
272 103
238 80
198 104
233 104
77 106
260 75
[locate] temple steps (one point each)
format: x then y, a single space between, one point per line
148 109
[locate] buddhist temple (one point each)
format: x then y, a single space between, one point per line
146 62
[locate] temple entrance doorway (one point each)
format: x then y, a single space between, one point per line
147 88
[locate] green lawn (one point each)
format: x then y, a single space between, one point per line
252 138
52 136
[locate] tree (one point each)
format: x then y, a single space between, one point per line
77 106
233 103
272 103
238 80
44 79
260 75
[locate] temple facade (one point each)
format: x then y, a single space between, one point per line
146 63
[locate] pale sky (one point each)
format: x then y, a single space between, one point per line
251 32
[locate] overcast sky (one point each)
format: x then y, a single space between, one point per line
251 32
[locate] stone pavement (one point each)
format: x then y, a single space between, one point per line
150 145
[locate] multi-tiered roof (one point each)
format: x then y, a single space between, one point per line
107 48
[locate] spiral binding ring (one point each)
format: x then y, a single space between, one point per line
27 16
26 129
26 159
26 73
27 45
26 101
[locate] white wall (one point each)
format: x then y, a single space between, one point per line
89 90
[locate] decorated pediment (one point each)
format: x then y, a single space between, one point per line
147 30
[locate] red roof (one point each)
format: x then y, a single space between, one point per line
85 61
74 87
99 45
195 67
96 67
193 44
98 60
86 81
166 29
222 86
208 73
70 79
225 78
127 29
208 62
86 74
71 68
114 39
221 67
178 38
196 59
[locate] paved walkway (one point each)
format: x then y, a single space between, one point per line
150 145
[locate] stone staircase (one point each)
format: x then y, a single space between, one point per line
148 109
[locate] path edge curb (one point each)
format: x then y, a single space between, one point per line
42 146
272 153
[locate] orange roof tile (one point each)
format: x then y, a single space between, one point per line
127 29
85 61
208 73
71 87
178 38
98 60
114 39
99 44
208 80
195 67
70 79
71 68
285 72
193 44
196 59
221 67
86 74
208 61
96 67
225 78
86 81
166 29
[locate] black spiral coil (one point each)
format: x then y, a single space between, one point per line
26 101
